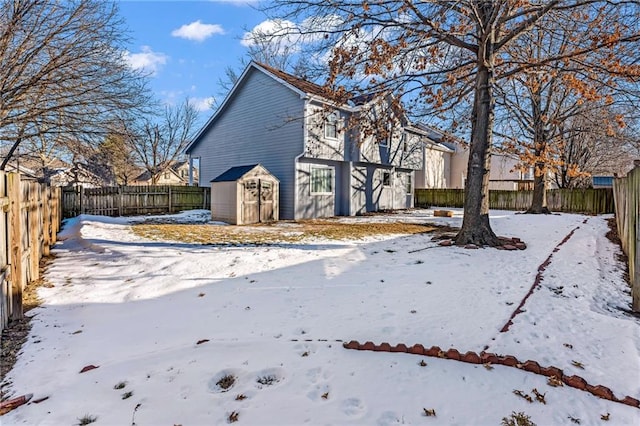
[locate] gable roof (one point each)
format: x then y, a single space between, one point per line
299 85
234 173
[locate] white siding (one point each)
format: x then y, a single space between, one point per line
224 202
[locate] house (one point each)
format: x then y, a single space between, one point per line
326 165
446 159
57 173
177 174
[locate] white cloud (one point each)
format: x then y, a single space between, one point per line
197 31
288 35
146 60
280 29
202 104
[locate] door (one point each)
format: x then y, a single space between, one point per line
250 201
266 201
257 201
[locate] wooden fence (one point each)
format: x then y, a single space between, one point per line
134 200
627 196
30 221
589 201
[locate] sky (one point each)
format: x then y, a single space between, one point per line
186 45
184 333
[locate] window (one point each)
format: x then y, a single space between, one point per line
408 187
321 180
167 175
331 126
386 178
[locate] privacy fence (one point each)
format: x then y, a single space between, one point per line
627 196
30 221
589 201
134 200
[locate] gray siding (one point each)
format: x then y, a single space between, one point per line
318 145
317 205
261 123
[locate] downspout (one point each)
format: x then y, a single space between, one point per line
190 170
299 156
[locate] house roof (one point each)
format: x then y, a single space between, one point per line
304 89
297 82
234 173
299 85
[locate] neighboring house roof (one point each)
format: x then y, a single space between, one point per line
438 139
19 168
146 175
234 173
175 166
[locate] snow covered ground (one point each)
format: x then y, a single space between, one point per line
270 316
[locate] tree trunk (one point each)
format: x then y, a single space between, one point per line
475 223
539 202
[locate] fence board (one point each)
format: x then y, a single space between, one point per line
134 200
29 221
589 201
627 198
5 285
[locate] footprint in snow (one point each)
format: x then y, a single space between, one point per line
353 407
389 418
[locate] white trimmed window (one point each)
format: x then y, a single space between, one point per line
321 180
331 126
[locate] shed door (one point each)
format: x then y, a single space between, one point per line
266 201
257 201
250 202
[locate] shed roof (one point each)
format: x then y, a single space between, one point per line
234 173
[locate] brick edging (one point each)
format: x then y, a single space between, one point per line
471 357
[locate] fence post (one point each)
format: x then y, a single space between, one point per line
46 220
34 246
15 244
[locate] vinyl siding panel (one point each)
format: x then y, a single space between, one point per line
262 123
403 150
318 144
315 205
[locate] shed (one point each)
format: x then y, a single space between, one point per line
245 194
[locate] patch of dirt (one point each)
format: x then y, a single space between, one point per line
613 236
14 336
279 232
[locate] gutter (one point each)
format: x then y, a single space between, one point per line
298 157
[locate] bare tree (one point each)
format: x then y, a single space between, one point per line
591 145
157 144
562 116
62 71
444 57
276 46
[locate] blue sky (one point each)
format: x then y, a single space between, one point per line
186 45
